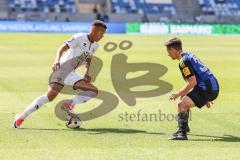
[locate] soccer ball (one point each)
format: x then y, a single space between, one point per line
72 122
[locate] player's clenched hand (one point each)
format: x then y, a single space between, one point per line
56 66
174 96
209 104
87 78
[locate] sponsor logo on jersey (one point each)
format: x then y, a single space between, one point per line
182 65
186 71
86 54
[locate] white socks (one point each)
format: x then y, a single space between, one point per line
83 97
36 104
41 100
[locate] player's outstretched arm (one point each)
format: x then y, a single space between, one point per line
190 83
64 47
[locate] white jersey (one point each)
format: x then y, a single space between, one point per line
79 45
80 48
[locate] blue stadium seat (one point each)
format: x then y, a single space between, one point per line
220 7
142 7
42 6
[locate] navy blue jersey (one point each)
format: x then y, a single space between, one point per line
190 65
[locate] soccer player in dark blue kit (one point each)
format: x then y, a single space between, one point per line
200 89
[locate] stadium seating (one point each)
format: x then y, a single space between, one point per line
143 6
46 6
220 7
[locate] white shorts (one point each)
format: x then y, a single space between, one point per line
72 78
60 77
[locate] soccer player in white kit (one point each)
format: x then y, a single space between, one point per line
76 51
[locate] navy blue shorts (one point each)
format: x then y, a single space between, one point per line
200 98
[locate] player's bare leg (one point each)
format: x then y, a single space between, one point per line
88 91
53 91
183 107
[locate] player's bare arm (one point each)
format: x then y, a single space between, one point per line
86 69
85 84
61 50
190 84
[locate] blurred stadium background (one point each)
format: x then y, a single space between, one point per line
123 16
179 11
26 59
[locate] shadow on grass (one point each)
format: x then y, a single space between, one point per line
100 130
224 138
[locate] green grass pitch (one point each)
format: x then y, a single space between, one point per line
25 64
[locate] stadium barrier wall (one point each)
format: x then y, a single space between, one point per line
56 27
202 29
142 28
